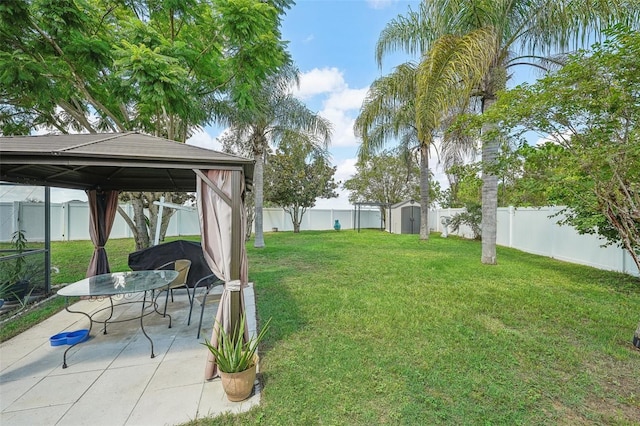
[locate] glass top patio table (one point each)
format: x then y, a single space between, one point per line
119 283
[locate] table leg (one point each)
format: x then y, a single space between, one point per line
104 330
64 356
154 305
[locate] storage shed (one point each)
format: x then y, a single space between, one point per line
404 218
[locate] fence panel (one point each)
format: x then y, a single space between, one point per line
531 230
7 222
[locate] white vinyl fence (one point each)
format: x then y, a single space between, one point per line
533 230
528 229
70 221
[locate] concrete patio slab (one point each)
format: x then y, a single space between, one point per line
111 378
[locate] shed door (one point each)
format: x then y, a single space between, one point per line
410 220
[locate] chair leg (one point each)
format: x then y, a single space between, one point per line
191 301
204 300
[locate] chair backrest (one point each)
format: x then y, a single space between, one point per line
182 266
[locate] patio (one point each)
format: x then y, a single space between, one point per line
111 379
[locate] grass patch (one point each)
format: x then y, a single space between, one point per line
373 328
30 317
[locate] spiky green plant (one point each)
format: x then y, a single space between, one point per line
233 355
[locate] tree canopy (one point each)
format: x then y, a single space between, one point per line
387 177
590 111
154 66
161 67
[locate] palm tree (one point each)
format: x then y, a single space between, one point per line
278 115
527 32
388 114
411 103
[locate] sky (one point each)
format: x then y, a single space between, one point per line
333 44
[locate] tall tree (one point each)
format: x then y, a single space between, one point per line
154 66
411 104
296 175
278 115
527 32
388 114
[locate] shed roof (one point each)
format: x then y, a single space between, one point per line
112 161
403 203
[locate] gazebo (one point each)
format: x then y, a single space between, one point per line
105 164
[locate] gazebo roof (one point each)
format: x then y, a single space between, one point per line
112 161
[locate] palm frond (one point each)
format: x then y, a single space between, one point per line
449 73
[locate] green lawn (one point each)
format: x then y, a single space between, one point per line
374 328
371 328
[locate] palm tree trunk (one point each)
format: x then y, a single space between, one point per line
489 204
424 191
258 188
489 192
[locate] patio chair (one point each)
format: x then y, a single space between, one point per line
209 285
182 266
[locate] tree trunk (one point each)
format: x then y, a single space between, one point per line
489 194
297 219
636 337
495 80
141 232
489 204
424 191
258 192
250 211
142 226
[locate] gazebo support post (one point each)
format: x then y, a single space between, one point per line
47 239
236 235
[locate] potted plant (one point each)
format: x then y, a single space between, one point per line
237 360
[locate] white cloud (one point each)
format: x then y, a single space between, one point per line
342 127
204 140
340 203
347 99
340 104
380 4
10 193
560 138
319 81
346 169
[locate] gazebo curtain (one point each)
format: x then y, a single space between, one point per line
102 207
216 216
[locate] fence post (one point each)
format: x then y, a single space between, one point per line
512 218
554 225
16 217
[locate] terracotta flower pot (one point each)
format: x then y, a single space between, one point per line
238 386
